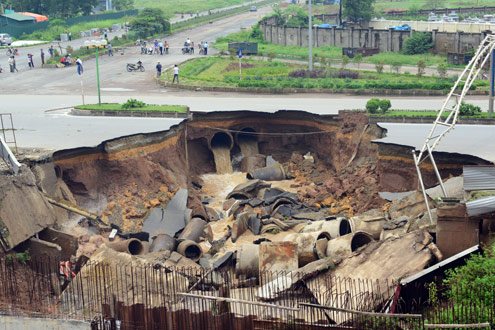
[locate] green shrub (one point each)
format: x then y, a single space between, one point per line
442 70
469 109
345 61
385 104
421 68
418 43
379 66
133 103
372 105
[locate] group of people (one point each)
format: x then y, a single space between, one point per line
156 47
30 60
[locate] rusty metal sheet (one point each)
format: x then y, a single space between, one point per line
479 177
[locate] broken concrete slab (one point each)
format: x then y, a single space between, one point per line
248 189
411 205
254 224
169 220
240 225
67 242
24 211
406 255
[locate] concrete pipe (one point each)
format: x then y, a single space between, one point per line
274 172
190 249
221 140
344 245
306 245
163 242
193 231
369 224
248 260
247 142
251 163
132 246
334 228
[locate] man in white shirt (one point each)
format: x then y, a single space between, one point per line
176 74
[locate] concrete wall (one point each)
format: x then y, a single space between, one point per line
13 322
386 40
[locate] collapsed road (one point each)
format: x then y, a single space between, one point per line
255 192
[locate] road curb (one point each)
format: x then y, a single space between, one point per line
266 90
127 113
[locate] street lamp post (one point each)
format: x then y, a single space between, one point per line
96 44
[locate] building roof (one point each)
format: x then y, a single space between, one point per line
18 17
38 17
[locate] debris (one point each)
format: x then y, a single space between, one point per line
240 225
247 261
344 245
190 249
169 220
274 172
163 242
193 231
277 257
132 246
371 222
248 190
251 163
254 224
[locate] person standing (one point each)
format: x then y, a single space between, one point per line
156 46
51 51
166 47
70 36
110 52
105 34
160 45
11 63
42 57
158 69
30 61
176 74
80 69
200 46
205 48
15 64
192 47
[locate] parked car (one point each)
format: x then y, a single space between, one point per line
253 8
5 39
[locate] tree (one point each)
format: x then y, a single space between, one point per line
123 4
345 61
358 58
149 21
421 68
418 43
358 10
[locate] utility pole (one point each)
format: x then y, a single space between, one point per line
492 83
340 13
310 29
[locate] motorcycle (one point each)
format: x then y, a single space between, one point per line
186 49
12 51
135 67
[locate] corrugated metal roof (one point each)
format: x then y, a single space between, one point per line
481 206
19 17
479 178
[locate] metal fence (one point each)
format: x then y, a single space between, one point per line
152 296
17 29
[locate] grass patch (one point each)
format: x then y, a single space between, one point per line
422 113
171 7
327 52
148 107
223 71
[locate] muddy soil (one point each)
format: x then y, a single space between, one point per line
332 161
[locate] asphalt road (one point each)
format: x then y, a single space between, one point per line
30 93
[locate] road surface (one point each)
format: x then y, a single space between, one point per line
29 94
